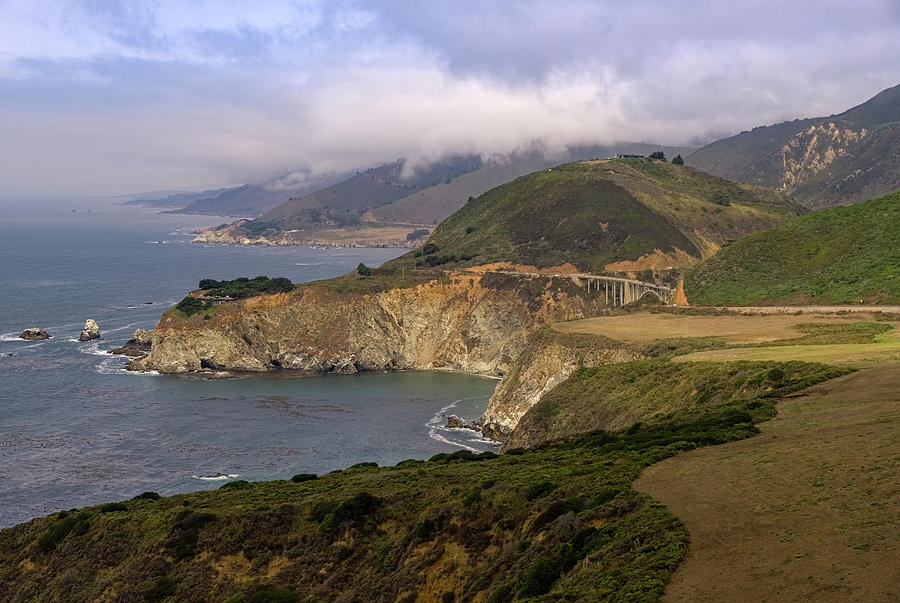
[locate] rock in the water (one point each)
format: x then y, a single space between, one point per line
454 422
34 334
90 331
138 345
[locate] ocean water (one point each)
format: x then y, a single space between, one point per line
77 429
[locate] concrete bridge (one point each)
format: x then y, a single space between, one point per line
617 291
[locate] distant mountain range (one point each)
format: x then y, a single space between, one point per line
820 162
391 196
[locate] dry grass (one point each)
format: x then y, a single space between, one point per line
733 329
808 510
885 349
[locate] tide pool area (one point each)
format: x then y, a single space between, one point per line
77 429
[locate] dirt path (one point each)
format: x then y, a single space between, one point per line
808 510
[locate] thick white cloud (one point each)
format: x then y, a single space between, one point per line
114 96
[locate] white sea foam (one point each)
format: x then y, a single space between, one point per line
434 427
216 478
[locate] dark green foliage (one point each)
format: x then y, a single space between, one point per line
240 484
238 288
274 595
76 523
112 507
658 155
365 465
162 589
539 490
242 287
417 234
186 531
470 229
430 248
839 255
190 305
303 477
355 510
501 594
363 270
677 160
147 496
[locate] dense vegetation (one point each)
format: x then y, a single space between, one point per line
238 288
557 523
660 391
598 212
840 255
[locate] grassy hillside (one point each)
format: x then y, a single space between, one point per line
839 255
596 213
821 161
560 522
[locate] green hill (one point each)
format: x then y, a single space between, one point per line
821 161
839 255
596 214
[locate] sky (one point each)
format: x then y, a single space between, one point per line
108 97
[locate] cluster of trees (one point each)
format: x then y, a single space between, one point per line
246 287
677 160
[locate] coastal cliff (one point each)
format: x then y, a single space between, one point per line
548 360
460 321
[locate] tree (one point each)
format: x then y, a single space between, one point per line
658 155
364 270
677 160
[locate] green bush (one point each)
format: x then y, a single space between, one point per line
430 248
77 523
363 270
304 477
240 484
148 496
114 506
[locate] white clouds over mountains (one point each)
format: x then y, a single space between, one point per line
106 96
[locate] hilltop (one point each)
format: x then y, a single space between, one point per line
839 255
821 161
602 216
372 205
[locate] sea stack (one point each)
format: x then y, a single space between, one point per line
91 331
34 334
138 345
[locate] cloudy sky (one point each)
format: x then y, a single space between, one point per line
103 97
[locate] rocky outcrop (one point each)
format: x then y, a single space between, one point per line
463 322
549 359
138 345
34 334
90 332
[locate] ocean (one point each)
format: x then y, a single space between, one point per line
77 429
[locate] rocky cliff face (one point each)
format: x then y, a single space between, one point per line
549 359
462 322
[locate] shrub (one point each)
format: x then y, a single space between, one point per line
304 477
77 524
363 270
110 507
162 589
274 595
539 489
539 578
190 305
677 160
240 484
148 496
430 248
